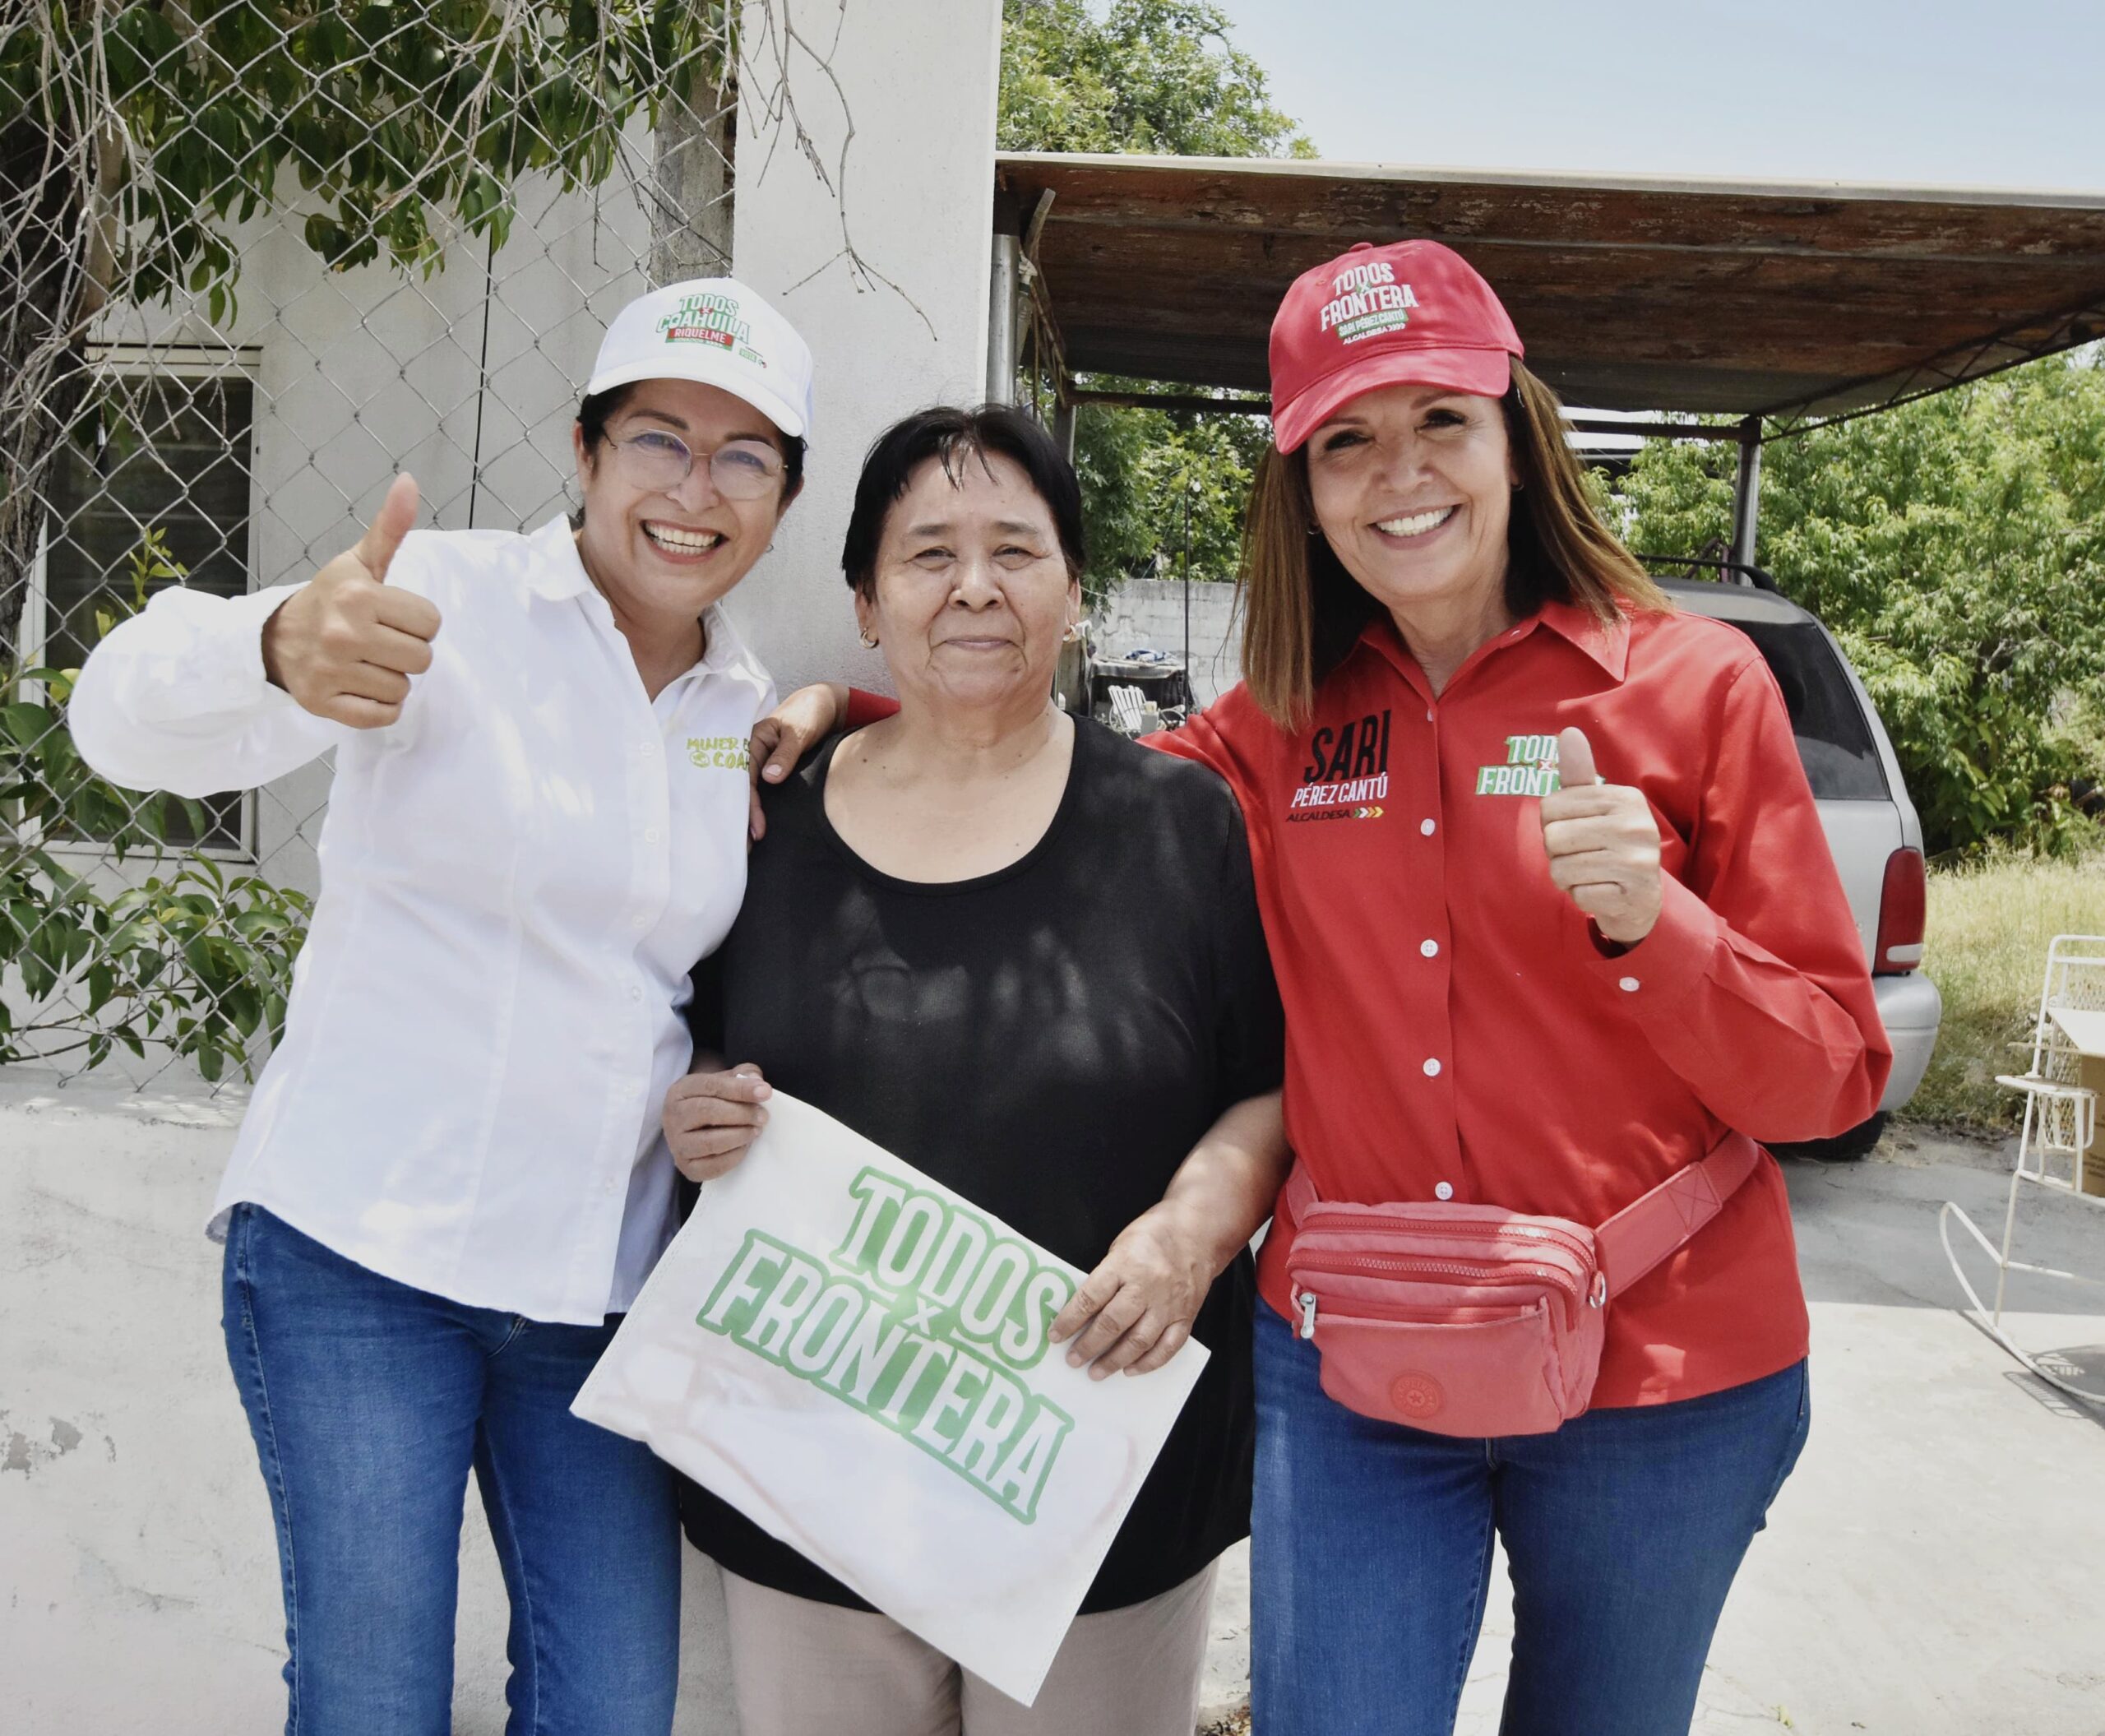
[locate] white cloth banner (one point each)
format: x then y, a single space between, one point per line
856 1359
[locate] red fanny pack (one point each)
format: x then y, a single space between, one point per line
1471 1320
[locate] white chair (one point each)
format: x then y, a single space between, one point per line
1128 709
2061 1119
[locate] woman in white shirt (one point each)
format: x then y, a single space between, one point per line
451 1179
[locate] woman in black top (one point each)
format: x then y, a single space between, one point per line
1024 954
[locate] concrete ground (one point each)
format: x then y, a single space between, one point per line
1936 1567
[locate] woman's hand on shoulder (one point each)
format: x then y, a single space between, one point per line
1602 844
711 1119
1135 1310
782 738
344 645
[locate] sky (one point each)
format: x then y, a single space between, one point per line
1934 93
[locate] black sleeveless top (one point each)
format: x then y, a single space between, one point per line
1050 1041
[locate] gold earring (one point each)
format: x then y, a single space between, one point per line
868 643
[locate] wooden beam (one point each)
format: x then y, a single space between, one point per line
1629 293
1248 406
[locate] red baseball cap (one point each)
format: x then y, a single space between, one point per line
1412 313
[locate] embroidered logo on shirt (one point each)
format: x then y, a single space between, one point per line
1530 768
718 752
1347 775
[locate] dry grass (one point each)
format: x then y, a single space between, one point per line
1989 923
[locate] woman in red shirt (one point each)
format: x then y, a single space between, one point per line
1553 915
1551 912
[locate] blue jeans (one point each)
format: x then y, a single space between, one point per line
369 1401
1371 1549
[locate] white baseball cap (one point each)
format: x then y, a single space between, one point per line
716 331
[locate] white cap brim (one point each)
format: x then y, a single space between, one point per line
707 367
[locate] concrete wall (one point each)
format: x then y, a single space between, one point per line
899 323
1150 612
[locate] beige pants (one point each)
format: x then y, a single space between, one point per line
808 1669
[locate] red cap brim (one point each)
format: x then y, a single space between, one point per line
1485 372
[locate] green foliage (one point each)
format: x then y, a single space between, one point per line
1142 469
1990 919
1956 548
197 961
387 113
1154 76
1151 76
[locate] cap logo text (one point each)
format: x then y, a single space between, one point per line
707 319
1366 301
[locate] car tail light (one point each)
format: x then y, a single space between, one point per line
1901 902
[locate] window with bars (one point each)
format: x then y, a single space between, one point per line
159 489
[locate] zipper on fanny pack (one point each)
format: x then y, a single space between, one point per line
1306 1304
1348 1264
1494 1275
1454 1227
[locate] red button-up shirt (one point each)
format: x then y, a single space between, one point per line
1454 1028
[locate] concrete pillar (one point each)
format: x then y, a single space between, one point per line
1747 492
916 80
691 184
1004 293
1063 429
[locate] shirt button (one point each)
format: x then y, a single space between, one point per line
1432 1069
1630 985
635 993
1445 1191
639 922
1428 716
650 836
1429 948
1426 827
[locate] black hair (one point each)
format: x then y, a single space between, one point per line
949 434
599 408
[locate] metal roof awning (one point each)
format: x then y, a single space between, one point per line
1794 302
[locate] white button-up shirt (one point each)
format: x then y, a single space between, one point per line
516 877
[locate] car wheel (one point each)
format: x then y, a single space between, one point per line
1844 1147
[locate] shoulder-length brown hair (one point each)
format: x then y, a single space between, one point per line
1302 611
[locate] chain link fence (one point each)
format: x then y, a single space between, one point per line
254 258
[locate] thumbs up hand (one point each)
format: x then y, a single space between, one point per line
1603 845
343 645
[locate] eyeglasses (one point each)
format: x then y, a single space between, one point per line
741 469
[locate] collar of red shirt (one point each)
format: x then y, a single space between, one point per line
1608 643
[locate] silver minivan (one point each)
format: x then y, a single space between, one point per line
1871 826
